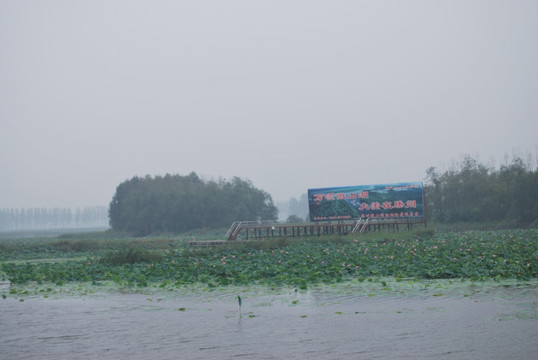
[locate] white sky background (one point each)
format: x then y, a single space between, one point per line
289 94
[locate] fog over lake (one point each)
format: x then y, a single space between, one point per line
289 94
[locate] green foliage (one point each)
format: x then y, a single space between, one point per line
87 245
476 193
129 256
175 203
476 255
424 233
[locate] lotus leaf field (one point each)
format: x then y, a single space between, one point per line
299 262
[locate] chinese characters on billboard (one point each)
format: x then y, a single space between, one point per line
367 201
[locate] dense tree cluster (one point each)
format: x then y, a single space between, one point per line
473 192
175 203
52 218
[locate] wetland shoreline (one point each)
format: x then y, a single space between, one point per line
470 295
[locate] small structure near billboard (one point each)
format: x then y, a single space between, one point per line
384 201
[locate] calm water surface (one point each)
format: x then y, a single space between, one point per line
322 323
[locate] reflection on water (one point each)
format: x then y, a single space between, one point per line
323 323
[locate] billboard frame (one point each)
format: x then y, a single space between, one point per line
397 201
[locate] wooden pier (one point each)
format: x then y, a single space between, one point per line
245 230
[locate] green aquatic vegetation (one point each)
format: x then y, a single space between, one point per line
129 256
474 255
69 246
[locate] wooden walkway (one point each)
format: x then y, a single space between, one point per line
252 230
245 230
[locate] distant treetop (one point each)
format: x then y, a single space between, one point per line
176 203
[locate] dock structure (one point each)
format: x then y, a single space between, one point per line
245 230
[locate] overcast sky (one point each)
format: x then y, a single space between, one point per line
289 94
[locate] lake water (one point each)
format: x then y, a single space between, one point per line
342 322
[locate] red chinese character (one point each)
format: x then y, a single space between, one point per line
364 206
318 197
411 204
386 205
351 195
363 195
329 196
375 206
398 204
340 196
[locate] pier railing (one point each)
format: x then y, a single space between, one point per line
236 227
270 228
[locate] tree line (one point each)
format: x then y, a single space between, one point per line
467 192
474 192
12 219
176 203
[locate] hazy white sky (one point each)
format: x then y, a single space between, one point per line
289 94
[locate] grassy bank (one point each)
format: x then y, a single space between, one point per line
168 262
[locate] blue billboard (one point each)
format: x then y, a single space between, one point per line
399 200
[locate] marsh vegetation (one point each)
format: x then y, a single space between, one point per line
168 262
